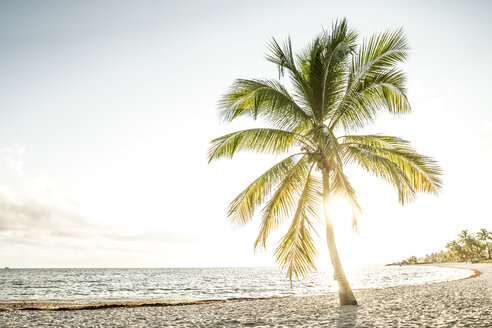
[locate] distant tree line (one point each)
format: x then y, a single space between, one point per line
469 247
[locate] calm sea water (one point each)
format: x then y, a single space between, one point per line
199 283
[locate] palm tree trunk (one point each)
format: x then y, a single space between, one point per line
344 291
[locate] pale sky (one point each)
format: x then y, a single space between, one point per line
107 108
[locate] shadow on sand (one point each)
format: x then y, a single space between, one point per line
347 316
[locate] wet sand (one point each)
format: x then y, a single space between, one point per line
461 303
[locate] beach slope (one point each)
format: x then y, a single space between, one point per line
461 303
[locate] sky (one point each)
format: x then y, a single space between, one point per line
107 109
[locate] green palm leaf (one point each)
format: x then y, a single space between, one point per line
283 200
374 82
242 208
272 141
263 98
296 252
421 173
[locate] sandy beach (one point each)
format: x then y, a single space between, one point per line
462 303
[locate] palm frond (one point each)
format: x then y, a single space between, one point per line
284 58
364 106
322 67
338 45
296 251
261 140
379 52
243 207
311 64
382 168
399 163
263 98
283 200
374 82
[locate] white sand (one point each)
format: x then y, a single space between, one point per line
463 303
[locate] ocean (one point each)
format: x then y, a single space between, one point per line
195 284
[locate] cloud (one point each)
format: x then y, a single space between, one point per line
13 159
41 226
42 219
33 215
155 236
41 216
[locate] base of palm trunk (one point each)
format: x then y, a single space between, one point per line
347 300
346 295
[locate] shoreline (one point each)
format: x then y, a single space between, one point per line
94 304
476 274
458 303
56 306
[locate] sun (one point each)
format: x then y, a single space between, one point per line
340 212
339 209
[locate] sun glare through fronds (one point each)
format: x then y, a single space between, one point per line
339 209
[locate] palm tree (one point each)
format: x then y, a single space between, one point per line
468 242
484 236
337 87
455 250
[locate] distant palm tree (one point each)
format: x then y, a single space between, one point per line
456 250
485 236
463 235
337 87
468 242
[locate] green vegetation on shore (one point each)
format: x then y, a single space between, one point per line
469 247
